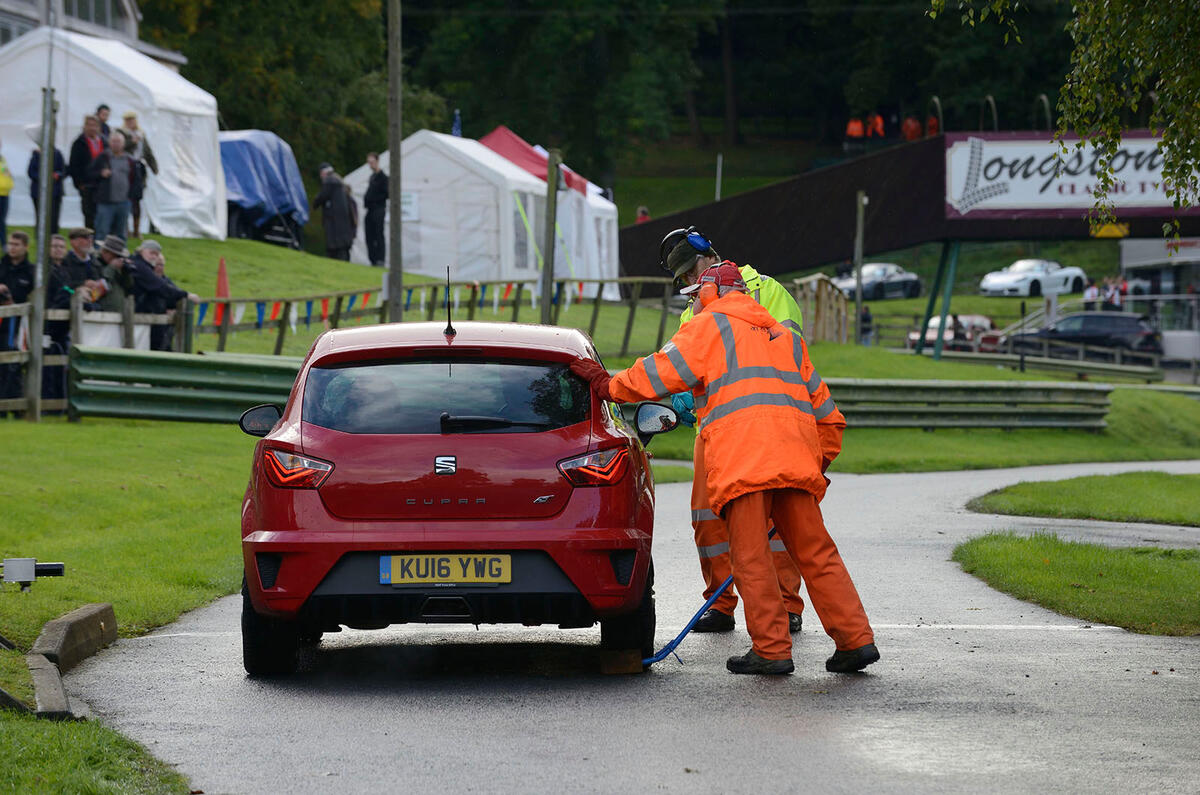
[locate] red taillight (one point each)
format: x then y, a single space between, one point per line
602 468
291 471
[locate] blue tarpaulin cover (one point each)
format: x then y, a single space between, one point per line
261 175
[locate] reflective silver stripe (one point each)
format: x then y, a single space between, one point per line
714 550
757 299
825 409
656 383
814 383
726 329
793 326
703 514
777 545
760 399
742 373
680 364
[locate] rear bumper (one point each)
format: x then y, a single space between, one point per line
572 577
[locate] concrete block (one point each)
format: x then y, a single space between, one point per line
627 661
76 636
48 685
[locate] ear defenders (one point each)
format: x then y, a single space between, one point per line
694 237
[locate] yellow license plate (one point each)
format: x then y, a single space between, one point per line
446 568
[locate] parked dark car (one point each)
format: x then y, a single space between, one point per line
420 477
1124 330
881 280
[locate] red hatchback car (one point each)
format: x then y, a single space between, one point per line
417 476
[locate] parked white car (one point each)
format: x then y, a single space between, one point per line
1033 277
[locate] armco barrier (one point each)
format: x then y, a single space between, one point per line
113 382
876 403
107 382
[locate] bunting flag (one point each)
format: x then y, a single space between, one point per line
307 314
482 295
366 299
408 299
275 309
558 291
293 313
495 301
200 315
350 304
456 299
260 309
239 311
533 298
324 309
507 290
579 300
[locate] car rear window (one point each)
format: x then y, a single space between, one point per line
411 397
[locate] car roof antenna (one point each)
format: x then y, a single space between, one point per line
449 331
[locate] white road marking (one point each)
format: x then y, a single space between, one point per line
1008 627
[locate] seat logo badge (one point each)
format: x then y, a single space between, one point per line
445 465
543 499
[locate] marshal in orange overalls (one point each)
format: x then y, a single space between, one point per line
770 429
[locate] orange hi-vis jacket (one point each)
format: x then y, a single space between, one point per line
766 418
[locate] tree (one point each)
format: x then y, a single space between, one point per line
589 76
1131 59
313 72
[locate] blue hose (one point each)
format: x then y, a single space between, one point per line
666 651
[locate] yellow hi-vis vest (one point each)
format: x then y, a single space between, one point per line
771 296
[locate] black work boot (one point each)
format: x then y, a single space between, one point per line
714 620
794 623
751 663
847 662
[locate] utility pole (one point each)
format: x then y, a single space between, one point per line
552 163
37 318
395 277
860 205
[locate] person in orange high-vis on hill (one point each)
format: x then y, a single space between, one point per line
770 430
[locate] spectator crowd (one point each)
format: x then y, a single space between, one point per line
101 275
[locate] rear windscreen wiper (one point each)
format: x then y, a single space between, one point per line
469 422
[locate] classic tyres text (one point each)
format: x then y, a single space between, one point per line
269 646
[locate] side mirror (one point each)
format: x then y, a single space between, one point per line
259 420
652 418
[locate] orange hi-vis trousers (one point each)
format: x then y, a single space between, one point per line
797 518
712 543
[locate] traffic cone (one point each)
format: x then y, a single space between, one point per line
222 291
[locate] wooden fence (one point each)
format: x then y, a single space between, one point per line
824 307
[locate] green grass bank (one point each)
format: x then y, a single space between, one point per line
1143 589
1130 497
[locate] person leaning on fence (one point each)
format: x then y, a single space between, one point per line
116 280
154 293
16 282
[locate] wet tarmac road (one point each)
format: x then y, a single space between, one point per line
975 691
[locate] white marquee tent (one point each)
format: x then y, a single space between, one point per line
468 207
187 197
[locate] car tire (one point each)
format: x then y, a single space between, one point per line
269 645
633 630
1035 289
914 290
1077 285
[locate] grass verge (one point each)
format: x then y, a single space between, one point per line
1143 589
1129 497
671 473
86 757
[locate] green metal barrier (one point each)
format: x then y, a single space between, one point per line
114 382
882 403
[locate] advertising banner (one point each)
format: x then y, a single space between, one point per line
1028 175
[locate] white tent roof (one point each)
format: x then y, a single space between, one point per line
487 235
187 197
